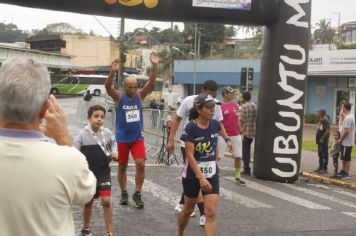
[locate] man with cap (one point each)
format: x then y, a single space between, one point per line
322 140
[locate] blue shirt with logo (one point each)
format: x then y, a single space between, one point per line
129 119
205 143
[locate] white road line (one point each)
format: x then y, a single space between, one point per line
321 195
158 191
352 214
284 196
242 200
345 193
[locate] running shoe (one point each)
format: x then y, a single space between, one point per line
345 176
239 181
124 198
84 232
202 220
136 200
108 234
178 208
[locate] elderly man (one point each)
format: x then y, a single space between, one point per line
129 127
39 180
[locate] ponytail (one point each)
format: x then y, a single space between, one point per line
193 113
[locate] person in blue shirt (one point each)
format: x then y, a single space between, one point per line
200 171
129 127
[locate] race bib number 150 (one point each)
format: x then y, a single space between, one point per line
132 116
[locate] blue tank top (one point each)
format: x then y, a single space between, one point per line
129 119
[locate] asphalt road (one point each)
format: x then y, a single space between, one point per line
259 208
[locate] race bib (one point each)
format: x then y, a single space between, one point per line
208 168
132 116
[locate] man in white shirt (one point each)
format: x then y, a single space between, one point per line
347 140
39 180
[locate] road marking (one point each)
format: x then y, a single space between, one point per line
242 200
321 195
352 214
319 186
158 191
345 193
282 195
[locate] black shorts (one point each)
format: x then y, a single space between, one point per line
191 187
103 187
346 153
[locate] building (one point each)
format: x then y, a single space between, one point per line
331 78
348 33
86 50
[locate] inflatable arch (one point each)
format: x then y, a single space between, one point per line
283 67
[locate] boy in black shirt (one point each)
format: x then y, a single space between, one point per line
322 140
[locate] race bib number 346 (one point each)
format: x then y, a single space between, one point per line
208 169
132 116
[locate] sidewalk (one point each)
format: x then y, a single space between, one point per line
310 162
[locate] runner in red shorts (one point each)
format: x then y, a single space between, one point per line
129 127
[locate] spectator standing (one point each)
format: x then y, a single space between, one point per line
335 152
322 140
37 195
347 140
247 118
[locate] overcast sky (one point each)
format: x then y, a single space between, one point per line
29 18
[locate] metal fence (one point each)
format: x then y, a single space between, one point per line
156 127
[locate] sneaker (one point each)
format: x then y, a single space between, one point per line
84 232
317 170
178 208
202 220
322 171
345 176
108 234
136 200
124 198
239 181
193 214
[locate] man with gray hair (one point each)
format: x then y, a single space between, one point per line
39 180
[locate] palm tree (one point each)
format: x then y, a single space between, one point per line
324 34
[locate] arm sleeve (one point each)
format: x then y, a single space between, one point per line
347 123
183 110
78 141
188 133
218 115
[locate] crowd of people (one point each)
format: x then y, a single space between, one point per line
78 170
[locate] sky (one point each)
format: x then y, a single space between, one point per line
30 18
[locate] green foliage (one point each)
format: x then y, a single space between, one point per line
310 145
343 46
324 34
9 33
59 28
311 118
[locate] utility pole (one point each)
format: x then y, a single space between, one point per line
171 60
122 53
195 57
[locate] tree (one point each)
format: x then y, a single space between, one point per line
59 28
324 34
9 33
230 31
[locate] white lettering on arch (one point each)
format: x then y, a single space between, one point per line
284 174
290 102
294 20
286 148
293 47
287 128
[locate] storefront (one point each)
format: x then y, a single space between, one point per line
331 81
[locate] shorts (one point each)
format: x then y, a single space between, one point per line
137 151
346 153
191 187
236 146
103 188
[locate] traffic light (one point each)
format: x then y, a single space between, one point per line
246 79
250 79
243 79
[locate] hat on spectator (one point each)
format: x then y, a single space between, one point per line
227 90
321 112
204 100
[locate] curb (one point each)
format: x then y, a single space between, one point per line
326 180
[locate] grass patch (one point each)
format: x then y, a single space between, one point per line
310 145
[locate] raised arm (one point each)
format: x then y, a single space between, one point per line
143 92
109 85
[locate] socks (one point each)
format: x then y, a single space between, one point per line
238 173
201 208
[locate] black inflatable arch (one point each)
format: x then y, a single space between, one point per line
283 68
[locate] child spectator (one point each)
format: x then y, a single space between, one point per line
99 147
335 152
